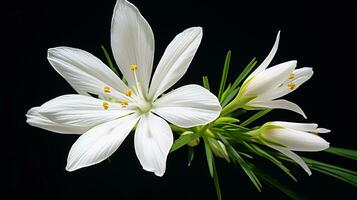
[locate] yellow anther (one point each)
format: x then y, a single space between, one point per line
291 86
124 104
106 89
128 92
291 76
105 105
133 67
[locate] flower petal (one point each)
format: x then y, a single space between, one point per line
278 104
188 106
293 156
323 130
100 142
296 126
82 111
175 61
300 76
153 139
297 140
269 79
34 118
85 72
132 42
268 59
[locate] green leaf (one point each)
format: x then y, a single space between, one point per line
205 82
255 117
271 158
245 73
224 74
109 61
209 156
191 153
216 181
183 140
238 160
225 93
346 153
212 168
275 183
230 96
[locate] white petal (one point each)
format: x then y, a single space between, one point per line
301 76
297 140
269 78
296 126
100 142
132 42
293 156
188 106
323 130
175 61
268 59
34 118
85 72
279 104
82 111
153 140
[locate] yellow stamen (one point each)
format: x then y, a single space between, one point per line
105 105
291 86
124 104
291 76
128 92
106 89
133 67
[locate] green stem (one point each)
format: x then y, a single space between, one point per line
232 106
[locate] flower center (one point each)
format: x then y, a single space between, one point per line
144 106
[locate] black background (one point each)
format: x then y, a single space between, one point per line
318 34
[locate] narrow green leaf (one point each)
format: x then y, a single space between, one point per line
271 158
230 97
109 61
191 153
255 117
245 72
346 153
205 82
275 183
224 74
216 181
238 160
209 156
183 140
225 93
219 148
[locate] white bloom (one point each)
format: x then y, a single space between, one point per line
106 123
268 84
294 137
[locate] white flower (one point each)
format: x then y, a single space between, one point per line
106 123
265 85
293 137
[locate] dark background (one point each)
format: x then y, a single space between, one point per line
318 34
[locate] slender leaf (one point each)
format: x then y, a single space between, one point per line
255 117
238 160
205 82
183 140
224 74
209 156
230 97
109 61
346 153
225 93
216 181
191 153
275 183
245 73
